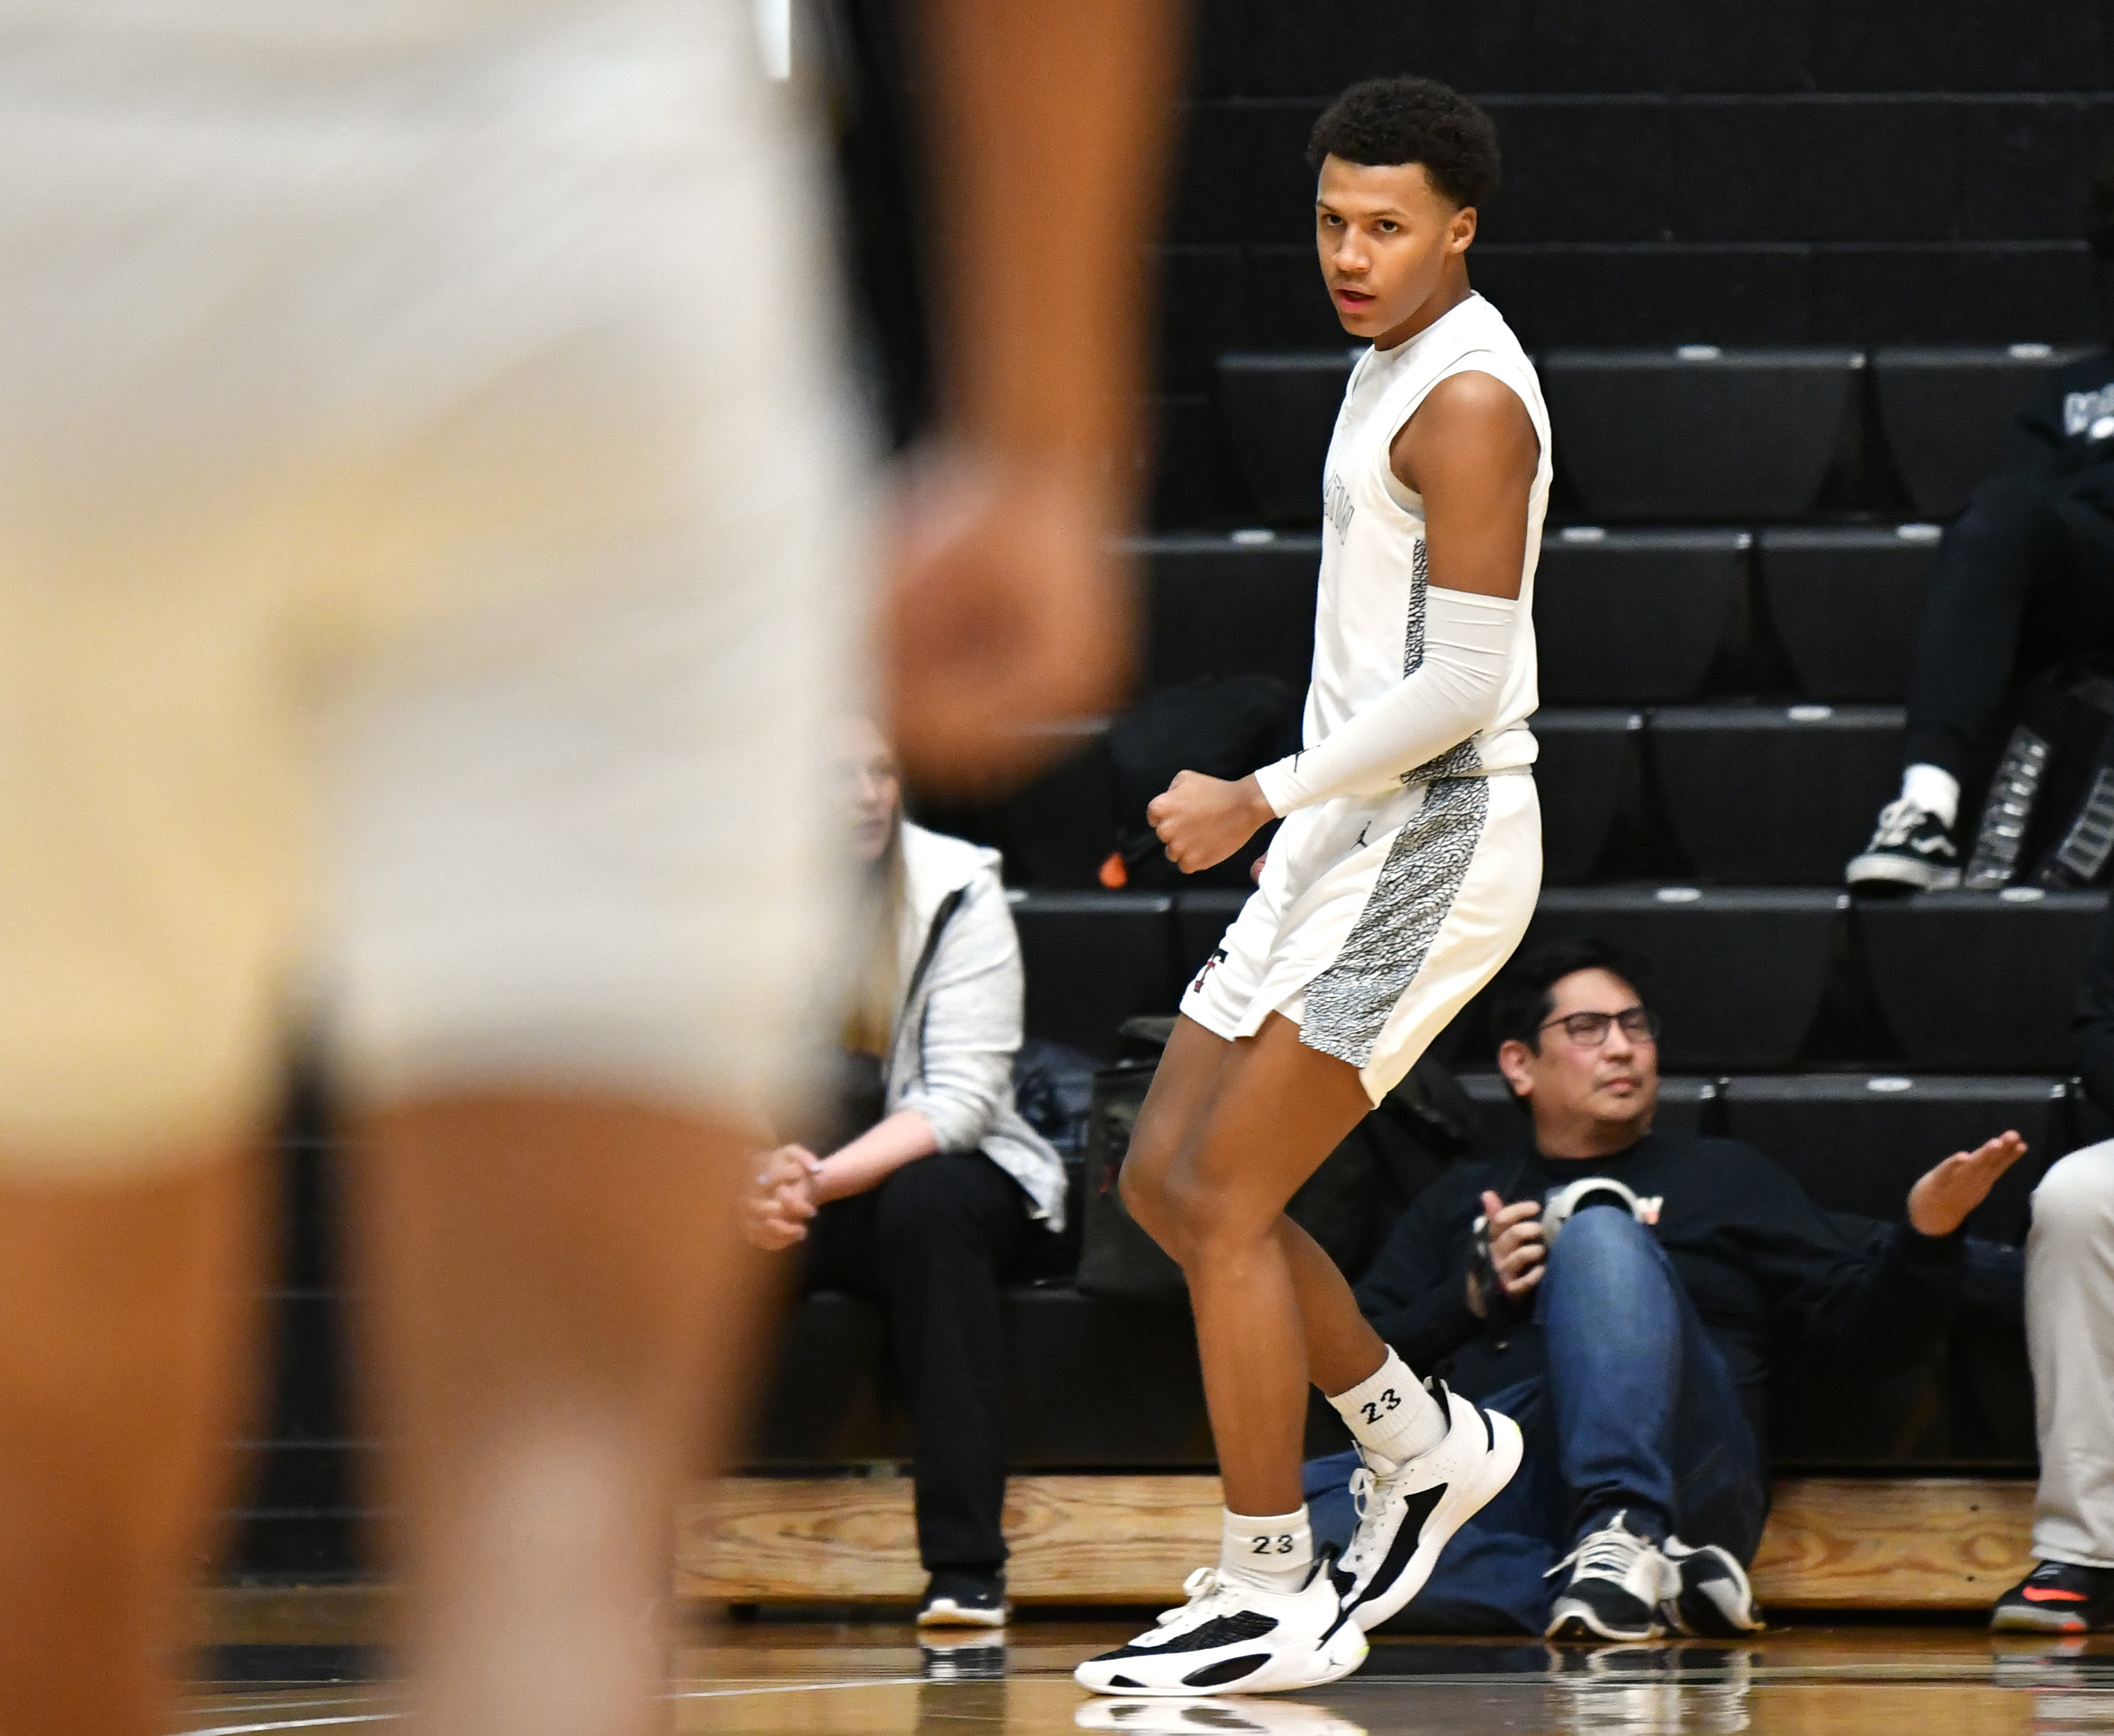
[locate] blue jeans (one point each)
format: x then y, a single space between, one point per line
1635 1410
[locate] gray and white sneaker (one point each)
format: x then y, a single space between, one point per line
1231 1639
1910 847
1715 1600
1407 1513
1620 1583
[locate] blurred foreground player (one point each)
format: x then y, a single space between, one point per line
1403 878
427 557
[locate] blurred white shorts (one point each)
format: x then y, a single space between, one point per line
429 535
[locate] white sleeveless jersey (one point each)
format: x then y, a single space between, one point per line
1368 616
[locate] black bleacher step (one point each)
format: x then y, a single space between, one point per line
1586 768
1845 602
1629 617
1858 1143
1096 1383
1686 1105
1699 431
1229 605
1982 980
1093 960
1774 795
1278 409
1946 412
1737 974
824 1402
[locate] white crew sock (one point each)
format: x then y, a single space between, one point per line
1270 1552
1934 789
1390 1413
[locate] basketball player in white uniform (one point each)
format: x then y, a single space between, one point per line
430 574
1402 877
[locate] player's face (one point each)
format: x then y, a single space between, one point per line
1386 236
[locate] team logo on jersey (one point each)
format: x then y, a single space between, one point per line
1337 505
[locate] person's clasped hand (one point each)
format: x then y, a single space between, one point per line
780 1200
1519 1252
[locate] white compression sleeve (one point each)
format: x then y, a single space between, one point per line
1467 643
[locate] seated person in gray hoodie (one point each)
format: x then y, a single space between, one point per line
943 1191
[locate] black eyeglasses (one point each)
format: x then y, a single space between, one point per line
1590 1030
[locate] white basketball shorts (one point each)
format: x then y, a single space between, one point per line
427 512
1376 921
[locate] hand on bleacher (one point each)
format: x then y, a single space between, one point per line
1939 1202
781 1198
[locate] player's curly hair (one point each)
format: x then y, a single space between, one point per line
1413 119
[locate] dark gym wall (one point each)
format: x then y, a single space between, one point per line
1728 172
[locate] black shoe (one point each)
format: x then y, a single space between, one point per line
2058 1598
1911 849
1619 1581
964 1597
974 1654
1715 1600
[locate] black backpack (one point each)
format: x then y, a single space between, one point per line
1222 725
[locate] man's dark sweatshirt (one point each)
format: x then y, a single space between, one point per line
1761 1263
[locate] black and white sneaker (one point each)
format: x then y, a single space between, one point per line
2058 1597
1232 1638
1911 848
1407 1513
1715 1600
963 1597
1619 1583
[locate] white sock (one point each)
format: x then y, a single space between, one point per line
1390 1413
1272 1552
1934 789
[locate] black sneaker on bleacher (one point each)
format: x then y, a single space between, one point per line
1911 850
2058 1597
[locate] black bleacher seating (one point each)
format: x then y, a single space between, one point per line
1737 976
1858 1143
1686 1105
1979 979
1586 770
824 1401
1624 616
1056 832
1093 960
1946 412
1278 411
1844 601
1698 432
1229 605
1774 795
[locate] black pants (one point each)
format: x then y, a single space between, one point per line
931 1245
2024 580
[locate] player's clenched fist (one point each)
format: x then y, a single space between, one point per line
1200 821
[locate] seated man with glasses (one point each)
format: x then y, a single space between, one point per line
1618 1292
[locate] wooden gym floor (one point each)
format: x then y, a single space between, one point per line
872 1676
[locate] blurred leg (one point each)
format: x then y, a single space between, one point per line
127 1312
560 1328
2070 1332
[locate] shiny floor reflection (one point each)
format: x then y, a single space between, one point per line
771 1677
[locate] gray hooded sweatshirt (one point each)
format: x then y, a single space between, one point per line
958 1026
